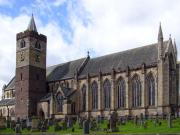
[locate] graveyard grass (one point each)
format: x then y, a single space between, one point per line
128 128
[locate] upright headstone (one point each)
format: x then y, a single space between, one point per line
136 120
2 122
18 126
169 121
35 124
69 122
113 121
86 127
141 119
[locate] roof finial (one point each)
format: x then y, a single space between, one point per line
32 25
160 34
88 54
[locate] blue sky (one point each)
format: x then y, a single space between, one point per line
74 27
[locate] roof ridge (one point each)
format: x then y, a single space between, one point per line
10 82
126 50
65 62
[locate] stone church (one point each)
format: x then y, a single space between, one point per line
141 80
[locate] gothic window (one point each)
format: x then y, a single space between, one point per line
59 99
151 90
107 94
83 90
67 84
37 45
22 44
121 93
94 88
4 111
136 92
7 94
12 113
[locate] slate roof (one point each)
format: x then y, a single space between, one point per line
47 97
63 71
11 84
67 93
57 72
32 25
5 102
132 58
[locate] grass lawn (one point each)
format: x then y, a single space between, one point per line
129 128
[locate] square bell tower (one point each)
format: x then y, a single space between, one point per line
30 84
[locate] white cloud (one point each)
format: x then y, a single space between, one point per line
101 26
6 3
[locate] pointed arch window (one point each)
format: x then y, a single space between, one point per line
59 98
121 93
136 91
94 88
107 94
83 91
151 90
37 45
22 44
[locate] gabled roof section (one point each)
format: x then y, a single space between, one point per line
11 84
6 102
32 25
64 71
132 58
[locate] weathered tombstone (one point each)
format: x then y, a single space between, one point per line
35 124
23 124
2 122
28 123
141 119
113 121
136 120
80 122
8 121
43 126
12 125
86 127
169 121
18 126
69 122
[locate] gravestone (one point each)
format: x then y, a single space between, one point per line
86 127
13 124
35 124
43 125
2 122
28 123
69 122
136 120
170 121
8 121
141 119
113 121
18 126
